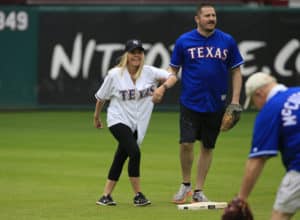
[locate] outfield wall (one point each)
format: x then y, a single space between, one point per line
57 56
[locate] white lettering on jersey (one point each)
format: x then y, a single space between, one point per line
225 52
208 52
200 52
191 50
218 53
292 103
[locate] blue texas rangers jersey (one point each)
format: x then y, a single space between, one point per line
205 63
277 128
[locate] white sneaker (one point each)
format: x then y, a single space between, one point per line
199 197
182 194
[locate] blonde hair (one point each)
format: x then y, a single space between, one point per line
123 65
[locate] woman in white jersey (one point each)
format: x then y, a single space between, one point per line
129 87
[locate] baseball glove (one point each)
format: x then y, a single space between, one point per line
237 209
231 116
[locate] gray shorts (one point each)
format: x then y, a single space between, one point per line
288 194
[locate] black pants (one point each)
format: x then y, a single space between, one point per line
127 147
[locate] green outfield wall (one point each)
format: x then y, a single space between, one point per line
18 55
57 56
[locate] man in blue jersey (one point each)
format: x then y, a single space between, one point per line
207 57
276 130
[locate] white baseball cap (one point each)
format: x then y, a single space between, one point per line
254 82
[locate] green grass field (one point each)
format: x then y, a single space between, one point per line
53 165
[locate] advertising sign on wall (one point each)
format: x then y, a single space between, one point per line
76 49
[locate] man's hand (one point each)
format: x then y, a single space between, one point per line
159 93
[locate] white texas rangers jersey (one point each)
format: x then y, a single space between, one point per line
130 104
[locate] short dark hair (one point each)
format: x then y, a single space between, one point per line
203 5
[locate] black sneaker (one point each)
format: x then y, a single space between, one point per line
140 200
106 200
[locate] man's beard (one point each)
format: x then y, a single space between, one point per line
210 30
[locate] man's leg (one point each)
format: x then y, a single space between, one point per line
276 215
203 165
287 201
204 162
186 154
186 161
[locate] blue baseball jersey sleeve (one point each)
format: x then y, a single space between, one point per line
205 63
277 129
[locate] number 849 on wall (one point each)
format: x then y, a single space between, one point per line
14 20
